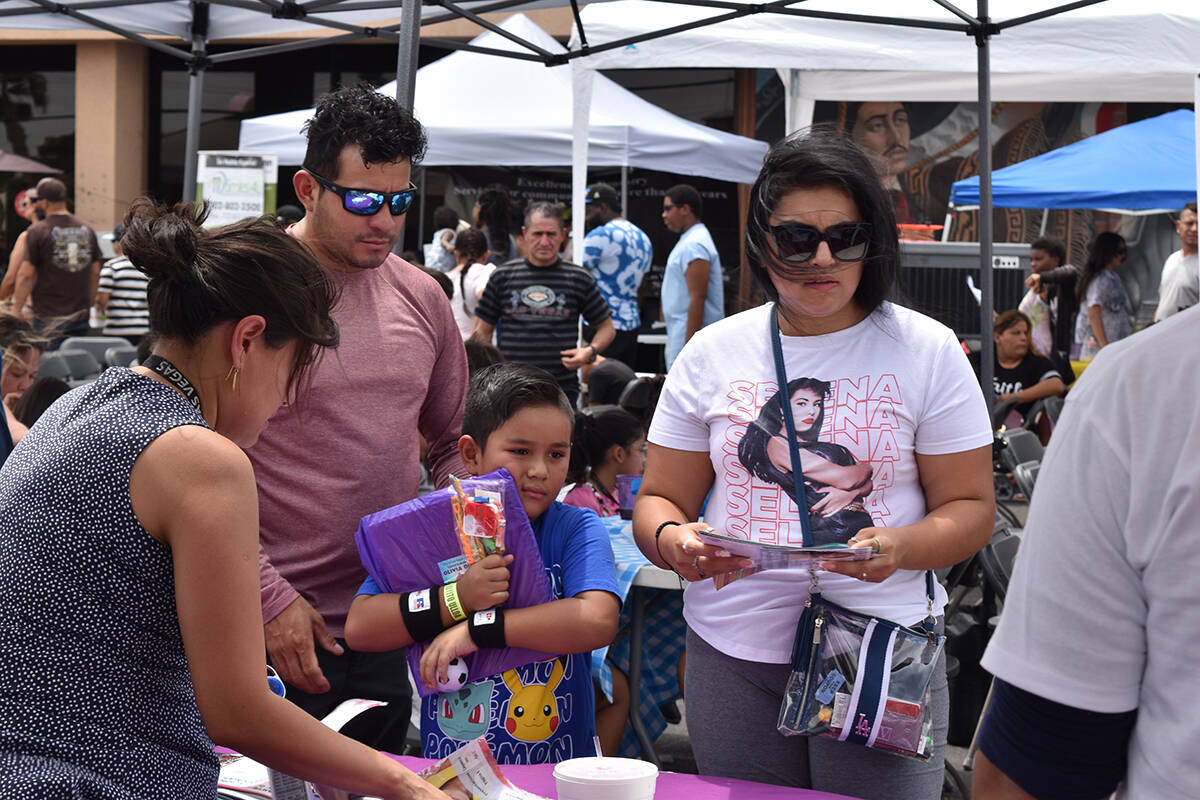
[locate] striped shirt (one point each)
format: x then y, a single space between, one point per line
125 285
536 312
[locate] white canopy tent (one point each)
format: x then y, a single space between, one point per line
914 50
920 43
1143 50
528 119
205 22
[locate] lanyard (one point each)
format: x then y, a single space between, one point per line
797 474
173 376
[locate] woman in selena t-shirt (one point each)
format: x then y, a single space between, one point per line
902 401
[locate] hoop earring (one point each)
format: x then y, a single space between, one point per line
233 373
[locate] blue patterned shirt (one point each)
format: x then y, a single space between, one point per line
618 255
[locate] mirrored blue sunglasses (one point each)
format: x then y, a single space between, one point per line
367 203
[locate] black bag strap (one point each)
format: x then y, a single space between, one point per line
797 473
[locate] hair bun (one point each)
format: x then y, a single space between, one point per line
161 240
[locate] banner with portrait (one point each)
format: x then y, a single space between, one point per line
922 148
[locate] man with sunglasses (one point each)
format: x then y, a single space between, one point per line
693 293
353 447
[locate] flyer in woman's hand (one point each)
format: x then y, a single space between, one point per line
779 556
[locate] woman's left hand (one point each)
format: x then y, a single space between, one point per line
889 554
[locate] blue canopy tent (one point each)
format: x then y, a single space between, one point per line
1141 168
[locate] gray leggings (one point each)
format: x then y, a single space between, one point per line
732 708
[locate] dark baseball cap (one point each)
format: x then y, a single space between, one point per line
603 193
607 380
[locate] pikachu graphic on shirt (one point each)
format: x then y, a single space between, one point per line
533 709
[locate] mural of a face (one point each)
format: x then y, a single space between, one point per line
465 714
882 129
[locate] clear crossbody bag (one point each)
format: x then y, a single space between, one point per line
855 677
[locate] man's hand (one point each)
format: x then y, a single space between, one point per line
485 583
290 645
575 357
1034 282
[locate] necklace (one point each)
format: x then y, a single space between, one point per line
596 482
173 376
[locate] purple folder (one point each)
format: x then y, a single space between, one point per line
402 546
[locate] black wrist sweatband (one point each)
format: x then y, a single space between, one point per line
422 614
487 628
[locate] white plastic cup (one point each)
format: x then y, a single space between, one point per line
597 778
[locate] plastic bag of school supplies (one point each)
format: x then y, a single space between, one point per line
431 540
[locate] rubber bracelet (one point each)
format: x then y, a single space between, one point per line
486 628
422 617
657 533
455 606
595 353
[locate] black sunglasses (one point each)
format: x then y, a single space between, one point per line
797 243
366 203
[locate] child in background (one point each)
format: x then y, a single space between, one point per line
607 443
439 254
469 277
516 417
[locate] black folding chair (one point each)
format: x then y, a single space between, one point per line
53 365
996 561
121 355
82 364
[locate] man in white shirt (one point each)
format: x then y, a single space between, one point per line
692 287
1095 655
1180 285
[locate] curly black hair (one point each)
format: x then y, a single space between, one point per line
384 131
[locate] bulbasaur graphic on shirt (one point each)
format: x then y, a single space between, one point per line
529 715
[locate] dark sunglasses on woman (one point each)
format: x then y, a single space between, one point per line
367 203
796 243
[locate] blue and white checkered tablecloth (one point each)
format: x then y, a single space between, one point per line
664 638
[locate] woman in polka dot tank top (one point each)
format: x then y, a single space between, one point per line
130 627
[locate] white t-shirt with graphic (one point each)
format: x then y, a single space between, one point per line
894 385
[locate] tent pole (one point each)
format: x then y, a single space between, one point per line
582 81
195 99
406 55
987 302
1045 219
406 86
625 191
421 212
946 224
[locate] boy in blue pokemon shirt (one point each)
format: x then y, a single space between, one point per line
516 417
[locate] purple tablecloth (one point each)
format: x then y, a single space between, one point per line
539 778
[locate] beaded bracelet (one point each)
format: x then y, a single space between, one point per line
658 532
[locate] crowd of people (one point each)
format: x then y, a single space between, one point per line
171 529
1069 313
